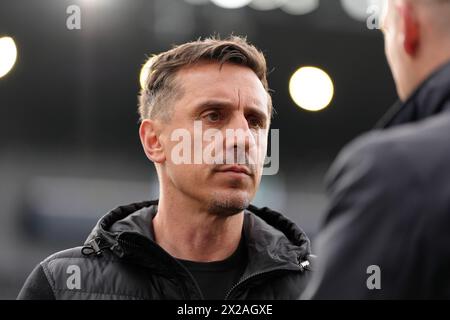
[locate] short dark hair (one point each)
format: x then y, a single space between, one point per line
160 87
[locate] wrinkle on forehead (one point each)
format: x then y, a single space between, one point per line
240 91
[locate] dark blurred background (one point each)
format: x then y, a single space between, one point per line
69 145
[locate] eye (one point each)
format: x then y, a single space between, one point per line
255 122
213 116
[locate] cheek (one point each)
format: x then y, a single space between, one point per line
391 53
388 47
185 176
261 146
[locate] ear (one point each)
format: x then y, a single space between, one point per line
150 141
410 25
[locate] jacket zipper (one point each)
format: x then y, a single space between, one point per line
253 276
304 265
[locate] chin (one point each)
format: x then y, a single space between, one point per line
229 203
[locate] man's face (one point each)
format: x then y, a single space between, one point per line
220 101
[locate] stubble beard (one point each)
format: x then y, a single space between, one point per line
227 205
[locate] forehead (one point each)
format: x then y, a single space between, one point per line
230 81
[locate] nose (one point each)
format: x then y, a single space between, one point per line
239 139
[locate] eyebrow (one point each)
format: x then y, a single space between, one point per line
224 104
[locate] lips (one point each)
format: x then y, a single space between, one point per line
236 169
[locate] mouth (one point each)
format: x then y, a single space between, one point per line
236 169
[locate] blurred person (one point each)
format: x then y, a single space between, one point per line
202 239
386 233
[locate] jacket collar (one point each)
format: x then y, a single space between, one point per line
427 100
273 241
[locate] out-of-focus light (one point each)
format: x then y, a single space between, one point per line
231 4
357 9
97 3
197 2
299 7
311 88
8 55
145 72
266 4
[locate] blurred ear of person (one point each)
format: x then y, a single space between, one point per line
417 40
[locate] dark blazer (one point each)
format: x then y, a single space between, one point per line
386 234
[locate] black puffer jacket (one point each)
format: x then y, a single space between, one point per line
120 260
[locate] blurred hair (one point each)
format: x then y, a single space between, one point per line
161 88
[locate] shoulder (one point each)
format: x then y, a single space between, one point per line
72 259
46 278
403 170
71 271
59 264
366 162
404 153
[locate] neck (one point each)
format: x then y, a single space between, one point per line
187 231
435 58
